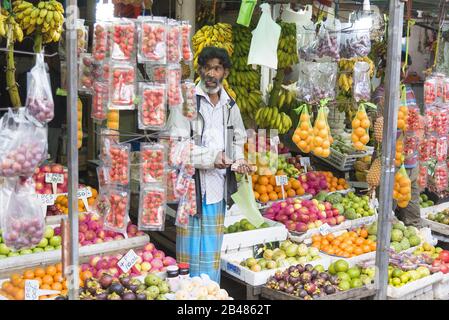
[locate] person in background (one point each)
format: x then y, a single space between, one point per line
410 215
219 136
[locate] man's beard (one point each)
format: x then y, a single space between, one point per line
209 90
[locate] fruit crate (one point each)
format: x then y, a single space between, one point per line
263 206
433 225
239 240
231 264
441 289
352 294
301 237
421 289
10 264
342 161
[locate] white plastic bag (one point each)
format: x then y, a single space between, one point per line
264 43
39 102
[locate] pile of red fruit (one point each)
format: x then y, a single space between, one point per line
46 188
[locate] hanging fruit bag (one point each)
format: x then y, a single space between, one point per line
402 191
303 135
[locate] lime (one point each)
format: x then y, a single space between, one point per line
354 272
396 281
343 276
344 285
396 273
332 269
341 265
356 283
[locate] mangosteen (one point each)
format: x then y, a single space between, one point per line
141 296
314 273
282 285
294 280
125 280
303 294
319 282
287 278
292 269
106 281
86 296
306 277
278 276
133 287
307 297
308 267
289 289
310 288
329 289
334 279
92 286
129 295
315 296
116 287
324 276
114 296
101 295
301 268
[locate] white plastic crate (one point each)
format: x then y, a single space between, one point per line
231 264
421 289
244 239
345 162
441 289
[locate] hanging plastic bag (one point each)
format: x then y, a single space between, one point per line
108 137
172 178
187 54
152 39
152 208
402 191
100 100
158 73
361 82
23 223
440 179
423 176
264 43
39 102
120 164
328 48
23 145
246 12
123 91
245 200
355 41
103 176
116 218
316 81
101 48
173 41
85 73
152 163
189 106
151 108
123 40
411 143
360 129
187 206
321 135
303 135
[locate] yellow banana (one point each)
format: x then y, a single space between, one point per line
35 13
43 13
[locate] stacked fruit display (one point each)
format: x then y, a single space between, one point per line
398 277
440 217
305 282
46 188
424 201
61 203
49 278
348 244
286 255
314 182
302 215
426 249
197 288
288 167
49 242
351 277
335 183
351 205
265 188
441 262
243 79
402 237
243 225
124 288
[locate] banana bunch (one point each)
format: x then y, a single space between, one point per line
287 48
218 35
7 23
346 67
47 17
271 118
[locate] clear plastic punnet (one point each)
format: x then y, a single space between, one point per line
152 40
152 208
152 106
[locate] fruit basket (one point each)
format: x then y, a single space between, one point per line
353 294
421 289
231 241
345 161
230 265
435 226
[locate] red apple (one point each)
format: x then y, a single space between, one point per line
294 216
444 268
444 256
57 168
301 227
304 218
335 212
46 169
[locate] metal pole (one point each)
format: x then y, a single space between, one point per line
71 269
390 114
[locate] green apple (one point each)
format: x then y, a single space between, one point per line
58 247
4 249
25 251
43 243
55 241
49 248
49 232
36 250
13 254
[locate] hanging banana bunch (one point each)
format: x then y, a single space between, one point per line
45 19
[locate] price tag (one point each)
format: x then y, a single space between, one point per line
54 178
305 163
47 199
324 229
281 180
128 261
31 289
84 193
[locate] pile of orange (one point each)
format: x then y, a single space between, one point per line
335 183
347 245
399 152
49 278
402 118
265 188
62 202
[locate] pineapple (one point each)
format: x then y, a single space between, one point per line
378 129
373 176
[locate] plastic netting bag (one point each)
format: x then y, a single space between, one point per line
402 191
303 135
316 81
116 211
152 208
360 129
152 113
152 39
23 145
355 41
361 82
152 163
321 135
39 101
23 223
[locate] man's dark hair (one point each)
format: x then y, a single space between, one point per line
209 53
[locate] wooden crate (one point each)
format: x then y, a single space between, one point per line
353 294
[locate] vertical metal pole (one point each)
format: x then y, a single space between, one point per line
71 269
390 115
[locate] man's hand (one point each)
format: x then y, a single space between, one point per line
242 167
222 162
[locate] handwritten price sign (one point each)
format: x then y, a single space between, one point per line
54 178
128 261
324 229
281 180
31 289
84 193
47 199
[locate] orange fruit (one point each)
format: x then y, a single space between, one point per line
254 178
263 180
29 274
56 286
86 275
270 188
373 246
366 248
47 279
336 242
359 241
364 233
15 279
358 251
256 195
264 198
273 196
22 284
43 297
39 280
51 270
261 189
330 237
64 284
281 196
20 294
331 250
45 287
324 241
7 285
277 189
291 193
350 249
39 272
316 245
58 277
316 238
